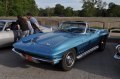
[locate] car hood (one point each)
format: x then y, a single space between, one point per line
52 39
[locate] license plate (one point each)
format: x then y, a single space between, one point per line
29 58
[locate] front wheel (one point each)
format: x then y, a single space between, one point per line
68 60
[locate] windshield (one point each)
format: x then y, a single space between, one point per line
2 24
75 27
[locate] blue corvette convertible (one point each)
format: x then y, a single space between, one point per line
72 40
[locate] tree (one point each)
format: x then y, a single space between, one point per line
68 11
46 12
93 8
49 11
100 4
100 10
59 10
18 7
89 7
113 10
2 8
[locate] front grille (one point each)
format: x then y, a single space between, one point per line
32 54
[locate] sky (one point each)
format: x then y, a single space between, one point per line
75 4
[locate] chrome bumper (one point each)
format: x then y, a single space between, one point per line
34 59
18 53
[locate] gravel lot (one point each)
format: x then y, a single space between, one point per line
98 65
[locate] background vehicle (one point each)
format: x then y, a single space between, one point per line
117 55
7 36
114 33
72 40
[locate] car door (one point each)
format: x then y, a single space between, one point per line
6 36
93 38
90 40
84 46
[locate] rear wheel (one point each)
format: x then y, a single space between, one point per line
102 45
68 60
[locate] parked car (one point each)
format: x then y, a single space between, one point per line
114 33
117 55
8 36
73 40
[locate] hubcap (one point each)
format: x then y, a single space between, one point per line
103 44
70 59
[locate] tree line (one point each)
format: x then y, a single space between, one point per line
17 7
90 8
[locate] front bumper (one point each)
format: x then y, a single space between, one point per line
117 56
36 59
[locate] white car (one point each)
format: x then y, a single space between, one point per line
8 36
114 33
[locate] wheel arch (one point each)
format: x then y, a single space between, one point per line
76 49
63 64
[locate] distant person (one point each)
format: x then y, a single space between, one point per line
34 23
31 30
23 26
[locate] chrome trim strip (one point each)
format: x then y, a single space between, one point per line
34 58
87 52
18 53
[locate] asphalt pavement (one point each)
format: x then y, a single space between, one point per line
97 65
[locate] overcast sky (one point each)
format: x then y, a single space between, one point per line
75 4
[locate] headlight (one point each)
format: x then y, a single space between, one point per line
118 48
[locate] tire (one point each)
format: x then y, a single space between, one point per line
102 45
68 60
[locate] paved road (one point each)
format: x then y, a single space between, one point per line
98 65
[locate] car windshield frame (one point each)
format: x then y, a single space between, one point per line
2 24
80 27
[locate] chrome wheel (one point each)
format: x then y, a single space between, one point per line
68 59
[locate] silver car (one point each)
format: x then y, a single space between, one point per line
7 35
